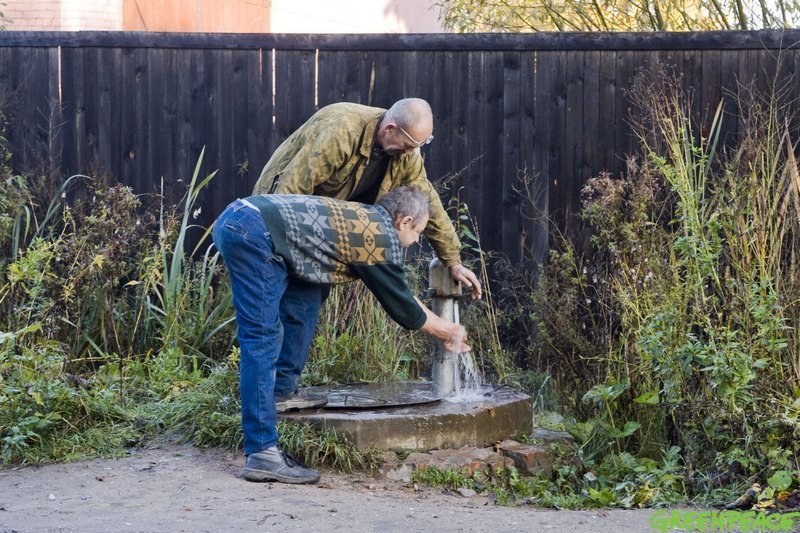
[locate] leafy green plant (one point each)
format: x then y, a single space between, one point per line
357 341
676 329
437 477
180 295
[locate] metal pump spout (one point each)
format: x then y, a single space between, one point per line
444 292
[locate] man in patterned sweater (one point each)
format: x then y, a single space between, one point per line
270 241
358 153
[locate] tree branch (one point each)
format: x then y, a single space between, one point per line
725 24
742 15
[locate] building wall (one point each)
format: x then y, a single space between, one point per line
235 16
62 15
35 15
226 16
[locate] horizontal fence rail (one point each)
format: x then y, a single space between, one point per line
551 107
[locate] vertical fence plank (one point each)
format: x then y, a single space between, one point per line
710 94
351 86
157 139
729 60
258 115
91 98
294 90
223 99
189 73
207 119
623 139
72 91
330 77
607 102
438 161
476 96
573 137
693 81
167 89
536 190
28 71
591 129
423 85
748 68
134 76
53 137
541 113
104 107
239 120
388 78
411 81
513 243
557 140
492 167
457 93
344 76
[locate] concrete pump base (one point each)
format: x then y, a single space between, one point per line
504 413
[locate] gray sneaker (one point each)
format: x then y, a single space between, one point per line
273 464
295 402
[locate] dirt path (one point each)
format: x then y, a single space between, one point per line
176 488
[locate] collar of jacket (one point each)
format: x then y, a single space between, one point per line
369 134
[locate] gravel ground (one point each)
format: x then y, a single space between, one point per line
173 488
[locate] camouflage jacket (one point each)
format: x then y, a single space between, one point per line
327 155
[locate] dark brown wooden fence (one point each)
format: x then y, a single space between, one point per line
141 106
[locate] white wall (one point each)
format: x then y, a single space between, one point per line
354 16
88 15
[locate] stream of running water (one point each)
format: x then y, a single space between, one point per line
469 385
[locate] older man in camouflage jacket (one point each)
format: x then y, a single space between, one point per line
354 152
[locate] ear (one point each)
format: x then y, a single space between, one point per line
404 221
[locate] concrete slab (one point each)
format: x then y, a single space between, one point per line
503 414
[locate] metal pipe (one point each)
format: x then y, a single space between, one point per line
445 292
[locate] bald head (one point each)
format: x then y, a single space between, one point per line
411 113
407 125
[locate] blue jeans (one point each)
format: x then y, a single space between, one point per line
276 318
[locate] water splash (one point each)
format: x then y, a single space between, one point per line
468 381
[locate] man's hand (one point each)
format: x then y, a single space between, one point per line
452 335
457 340
464 275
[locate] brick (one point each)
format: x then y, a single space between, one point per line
528 458
472 460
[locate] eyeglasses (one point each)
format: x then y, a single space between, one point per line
417 143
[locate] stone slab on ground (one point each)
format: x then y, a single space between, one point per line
481 461
528 458
547 436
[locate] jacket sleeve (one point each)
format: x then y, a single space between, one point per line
388 283
439 231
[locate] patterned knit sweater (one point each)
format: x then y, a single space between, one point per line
328 241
